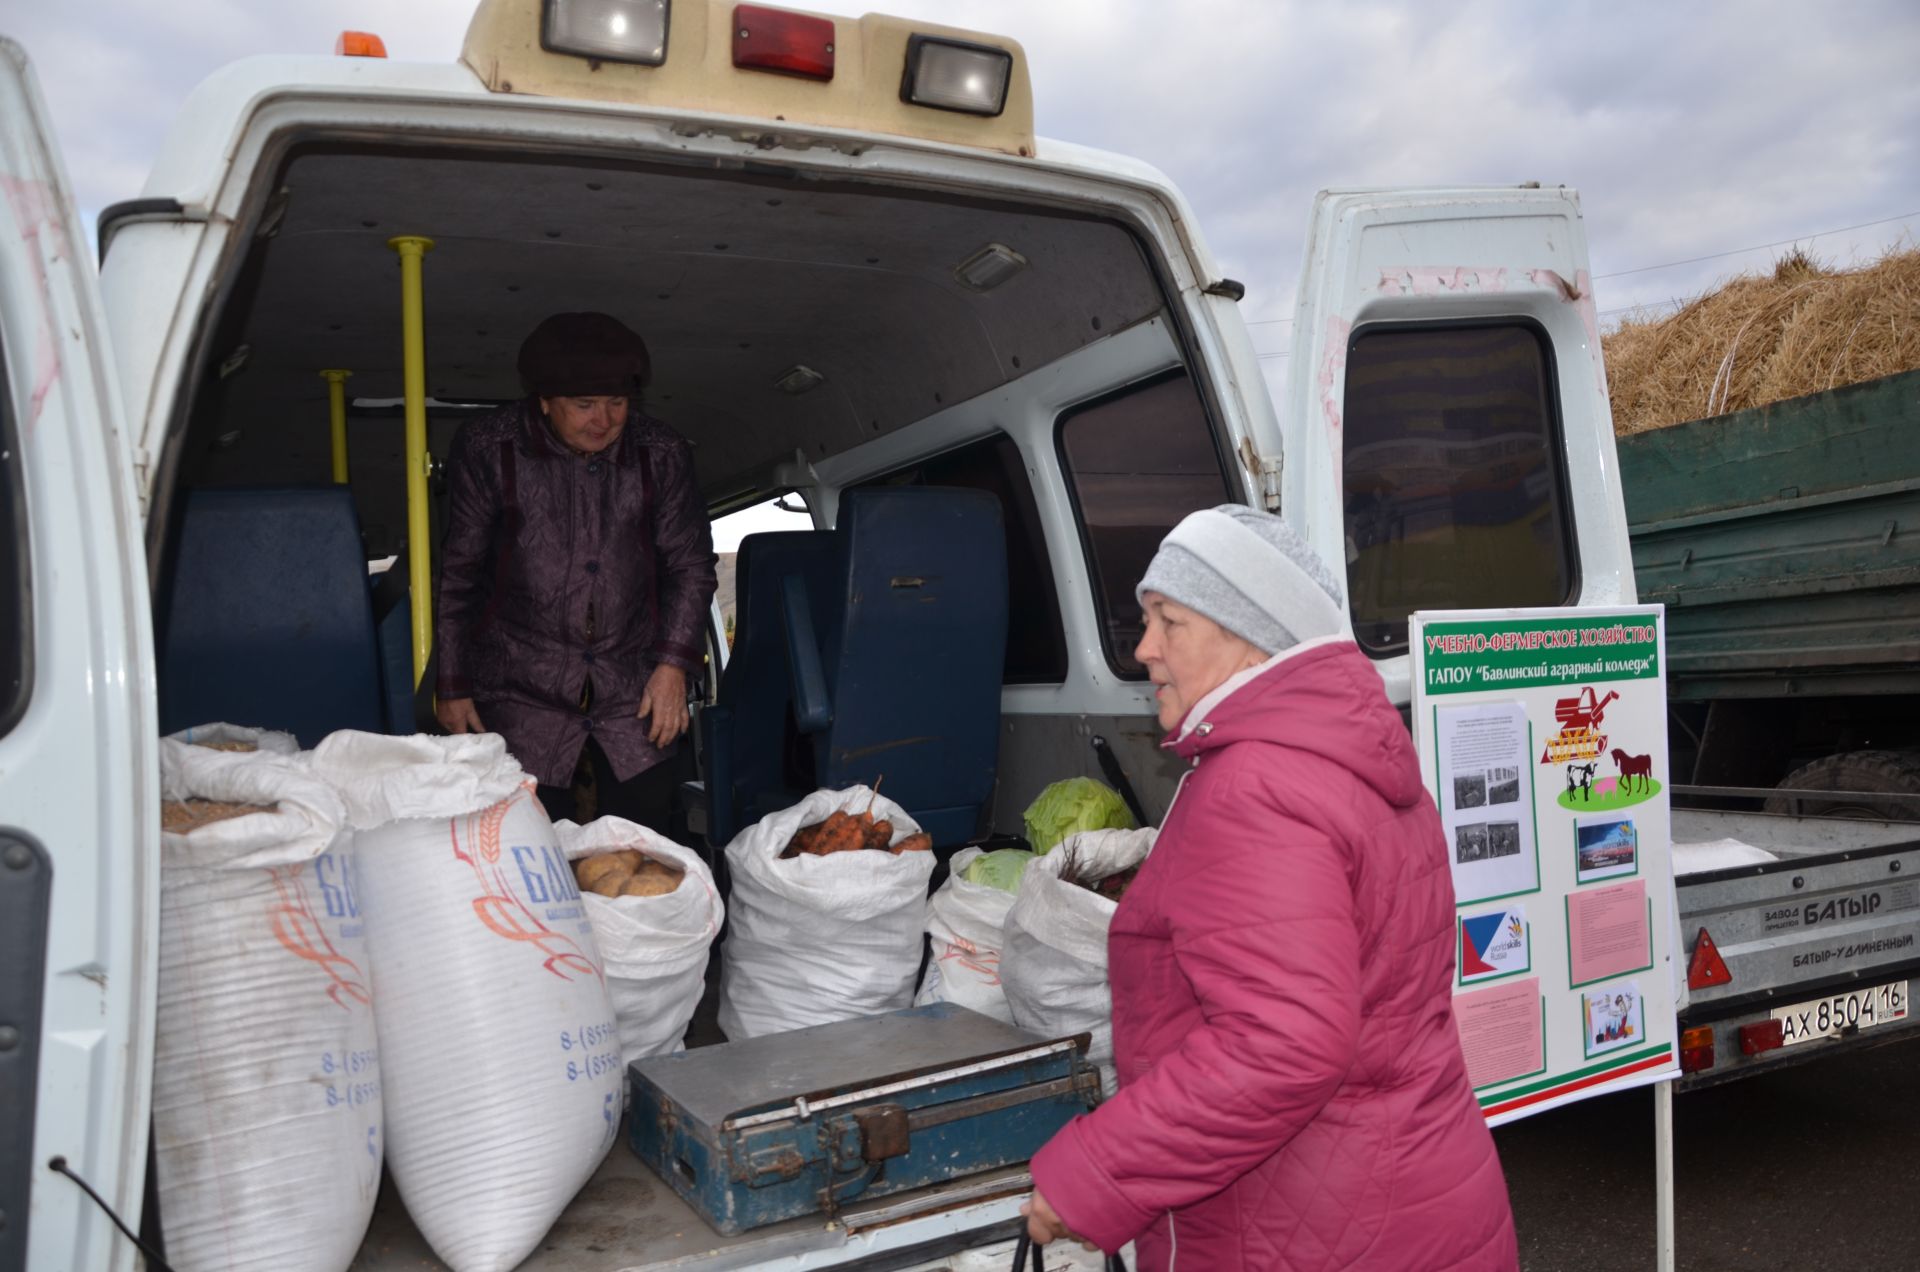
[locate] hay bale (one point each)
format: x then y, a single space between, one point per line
1764 338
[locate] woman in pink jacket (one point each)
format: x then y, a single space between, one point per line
1292 1093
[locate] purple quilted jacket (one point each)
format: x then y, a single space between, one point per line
1292 1093
561 567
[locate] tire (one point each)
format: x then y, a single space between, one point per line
1854 777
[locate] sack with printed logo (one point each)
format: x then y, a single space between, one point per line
655 947
1053 961
965 922
818 939
266 1077
498 1047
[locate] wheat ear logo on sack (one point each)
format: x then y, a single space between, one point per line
966 954
303 935
500 907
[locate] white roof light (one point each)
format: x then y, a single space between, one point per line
798 379
989 267
607 30
955 75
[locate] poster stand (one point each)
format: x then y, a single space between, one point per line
1542 738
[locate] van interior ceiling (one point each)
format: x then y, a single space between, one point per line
736 280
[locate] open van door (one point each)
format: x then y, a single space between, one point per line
79 816
1447 386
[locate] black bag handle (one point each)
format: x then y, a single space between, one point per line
1027 1250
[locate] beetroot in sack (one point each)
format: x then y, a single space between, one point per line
819 937
1053 964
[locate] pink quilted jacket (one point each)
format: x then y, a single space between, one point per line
1292 1094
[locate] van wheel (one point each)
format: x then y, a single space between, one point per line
1855 778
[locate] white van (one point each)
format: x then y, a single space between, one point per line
854 263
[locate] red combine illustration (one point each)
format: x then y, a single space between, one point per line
1579 718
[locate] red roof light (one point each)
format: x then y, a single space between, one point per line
766 39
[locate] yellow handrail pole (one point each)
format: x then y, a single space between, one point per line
413 341
337 412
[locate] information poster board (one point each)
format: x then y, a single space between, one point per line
1543 738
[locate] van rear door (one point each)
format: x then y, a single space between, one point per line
1447 386
78 803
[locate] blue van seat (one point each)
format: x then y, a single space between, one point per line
268 620
880 647
746 736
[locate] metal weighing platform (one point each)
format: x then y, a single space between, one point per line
772 1128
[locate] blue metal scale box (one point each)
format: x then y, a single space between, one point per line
753 1132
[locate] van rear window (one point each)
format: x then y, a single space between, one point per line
1137 461
1036 641
1454 493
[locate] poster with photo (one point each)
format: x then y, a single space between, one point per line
1485 800
1615 1018
1542 740
1604 848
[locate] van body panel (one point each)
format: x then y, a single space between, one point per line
78 769
1448 255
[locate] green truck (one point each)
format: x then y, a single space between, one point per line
1785 543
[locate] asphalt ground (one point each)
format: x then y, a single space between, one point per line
1814 1167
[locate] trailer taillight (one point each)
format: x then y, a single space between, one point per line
1707 967
1762 1035
1696 1049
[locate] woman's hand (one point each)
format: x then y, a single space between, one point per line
1044 1223
456 715
664 704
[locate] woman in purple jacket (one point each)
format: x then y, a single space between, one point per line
1292 1093
577 574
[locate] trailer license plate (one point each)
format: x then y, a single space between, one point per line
1827 1017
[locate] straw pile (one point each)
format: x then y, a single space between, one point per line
1759 339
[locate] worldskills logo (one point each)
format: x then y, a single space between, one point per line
1489 943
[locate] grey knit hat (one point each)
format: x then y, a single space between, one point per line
1249 572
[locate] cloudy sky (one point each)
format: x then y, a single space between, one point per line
1691 130
1705 138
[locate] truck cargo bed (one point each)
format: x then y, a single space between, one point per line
1784 542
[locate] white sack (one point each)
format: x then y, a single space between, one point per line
498 1047
965 921
207 736
266 1084
820 939
1053 964
654 948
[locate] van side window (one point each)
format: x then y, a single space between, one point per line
1455 494
16 608
1036 641
1137 461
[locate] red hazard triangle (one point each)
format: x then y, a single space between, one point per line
1707 967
